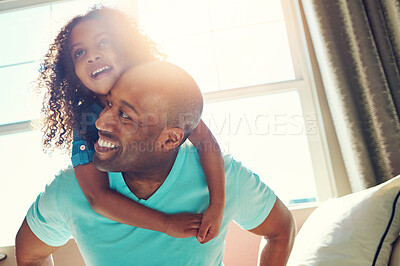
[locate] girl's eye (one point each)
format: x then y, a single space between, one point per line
79 53
105 43
108 104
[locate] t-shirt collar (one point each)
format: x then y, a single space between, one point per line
117 182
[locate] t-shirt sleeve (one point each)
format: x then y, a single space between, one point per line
82 150
45 219
82 153
255 198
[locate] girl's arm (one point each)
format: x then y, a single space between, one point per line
117 207
213 166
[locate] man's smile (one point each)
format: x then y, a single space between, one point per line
103 146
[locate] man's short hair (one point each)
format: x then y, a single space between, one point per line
183 105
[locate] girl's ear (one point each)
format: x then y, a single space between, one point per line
171 138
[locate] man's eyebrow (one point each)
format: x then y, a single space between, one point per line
129 105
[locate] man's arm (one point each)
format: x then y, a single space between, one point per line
279 230
30 250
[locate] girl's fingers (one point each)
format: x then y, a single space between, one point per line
203 230
196 217
191 232
195 225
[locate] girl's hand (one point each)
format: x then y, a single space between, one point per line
182 225
210 223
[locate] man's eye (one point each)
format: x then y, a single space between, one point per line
79 53
123 115
105 43
108 104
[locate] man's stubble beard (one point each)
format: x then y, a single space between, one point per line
134 157
112 164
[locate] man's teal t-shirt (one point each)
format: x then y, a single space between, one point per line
62 211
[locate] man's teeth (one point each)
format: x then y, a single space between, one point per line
97 71
105 144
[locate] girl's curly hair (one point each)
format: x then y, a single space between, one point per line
65 97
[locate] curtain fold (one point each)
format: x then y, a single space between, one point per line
357 44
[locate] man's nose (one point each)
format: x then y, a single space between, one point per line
106 121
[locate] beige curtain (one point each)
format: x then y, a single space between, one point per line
357 44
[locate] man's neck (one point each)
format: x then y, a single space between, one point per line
145 184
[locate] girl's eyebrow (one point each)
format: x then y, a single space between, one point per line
95 37
75 44
101 33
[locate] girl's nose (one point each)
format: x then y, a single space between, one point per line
93 57
93 60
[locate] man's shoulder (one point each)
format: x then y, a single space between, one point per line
64 189
234 168
232 164
229 160
66 172
189 148
65 178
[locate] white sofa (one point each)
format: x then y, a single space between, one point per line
358 229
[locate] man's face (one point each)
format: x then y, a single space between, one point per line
129 127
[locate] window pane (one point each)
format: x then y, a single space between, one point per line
234 13
253 55
195 54
223 44
18 102
25 171
23 35
267 133
161 19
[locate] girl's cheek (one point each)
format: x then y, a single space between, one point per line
123 64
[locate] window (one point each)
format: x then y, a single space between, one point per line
256 85
247 56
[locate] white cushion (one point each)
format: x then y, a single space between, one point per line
357 229
395 257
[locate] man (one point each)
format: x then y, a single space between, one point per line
151 111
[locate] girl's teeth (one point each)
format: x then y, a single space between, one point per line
100 70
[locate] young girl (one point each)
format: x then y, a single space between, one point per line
87 57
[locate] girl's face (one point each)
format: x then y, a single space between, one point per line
94 56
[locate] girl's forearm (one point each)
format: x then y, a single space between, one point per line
121 209
211 161
111 204
213 167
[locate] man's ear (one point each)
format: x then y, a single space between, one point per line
171 138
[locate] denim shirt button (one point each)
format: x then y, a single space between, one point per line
82 147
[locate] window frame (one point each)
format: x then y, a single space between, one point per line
327 162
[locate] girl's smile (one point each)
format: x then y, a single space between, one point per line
101 71
95 59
